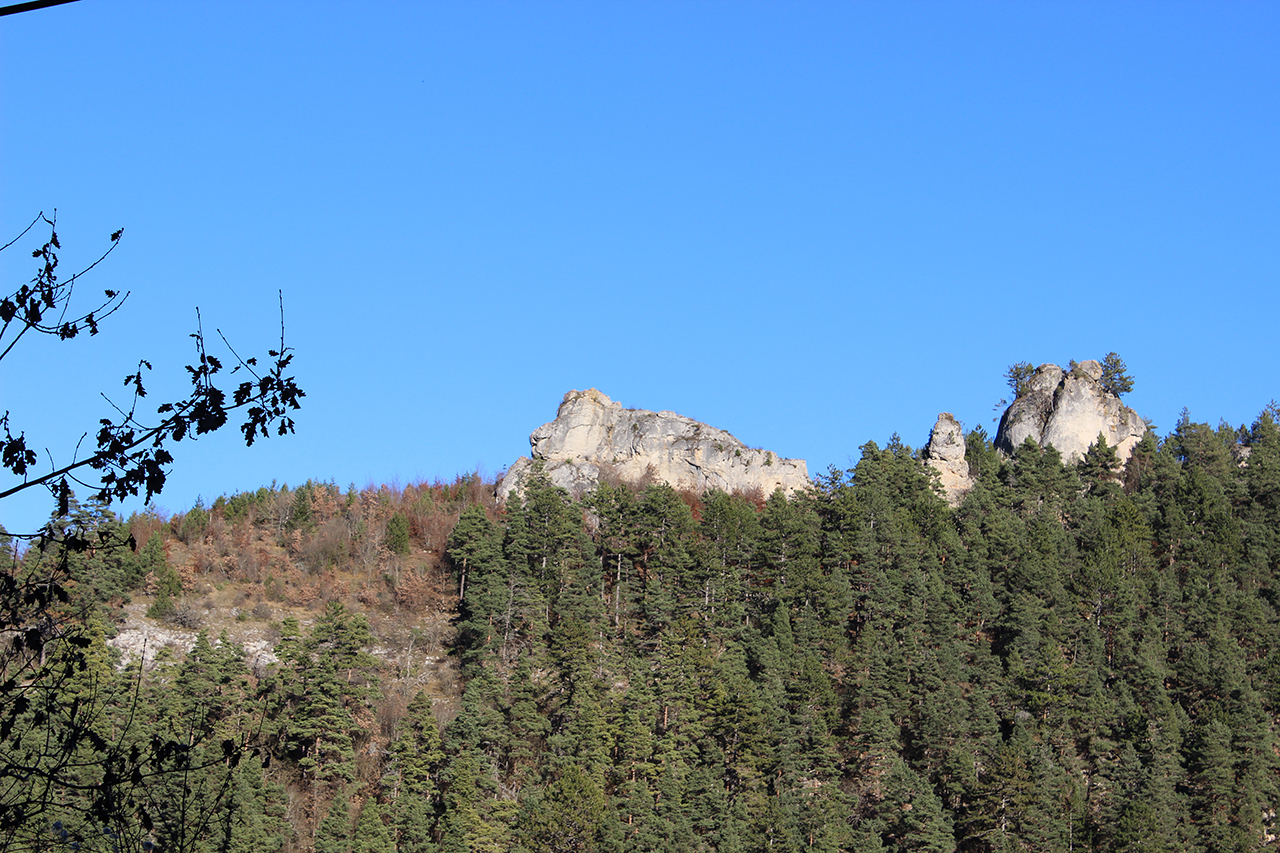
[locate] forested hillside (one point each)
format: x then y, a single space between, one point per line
1075 658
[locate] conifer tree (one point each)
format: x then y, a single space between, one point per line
665 541
371 835
321 679
475 547
333 835
1098 466
572 815
912 815
468 822
614 507
1115 376
729 529
416 758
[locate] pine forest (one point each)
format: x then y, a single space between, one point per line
1075 658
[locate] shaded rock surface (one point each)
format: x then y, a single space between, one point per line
945 454
1068 410
594 437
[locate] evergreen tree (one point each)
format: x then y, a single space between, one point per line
371 835
334 833
1098 466
397 537
470 820
475 547
572 815
1115 376
912 815
416 758
321 679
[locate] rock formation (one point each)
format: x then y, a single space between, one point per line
1068 409
593 436
945 454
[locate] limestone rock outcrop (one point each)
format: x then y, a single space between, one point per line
945 454
594 437
1068 410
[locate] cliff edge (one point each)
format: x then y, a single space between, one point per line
594 436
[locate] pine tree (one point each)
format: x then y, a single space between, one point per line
416 757
334 833
1115 376
475 548
468 822
1098 466
371 835
321 679
251 817
572 815
729 529
665 541
912 815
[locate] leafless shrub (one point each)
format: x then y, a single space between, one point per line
648 478
390 712
368 520
691 500
437 529
437 633
143 524
370 595
418 592
218 534
185 616
277 511
755 495
251 561
204 561
447 693
611 475
326 548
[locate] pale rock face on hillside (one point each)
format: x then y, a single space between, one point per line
593 436
1068 410
945 454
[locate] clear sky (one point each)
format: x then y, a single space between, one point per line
811 224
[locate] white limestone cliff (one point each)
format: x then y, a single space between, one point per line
945 454
1068 410
594 437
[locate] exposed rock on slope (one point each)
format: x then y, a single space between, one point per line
1068 409
594 436
945 454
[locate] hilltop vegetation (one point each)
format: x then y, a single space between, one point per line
1075 657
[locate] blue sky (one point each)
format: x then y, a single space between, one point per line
811 224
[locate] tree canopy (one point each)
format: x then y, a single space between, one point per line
1115 376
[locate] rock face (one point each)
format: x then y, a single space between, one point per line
1068 409
593 436
945 454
